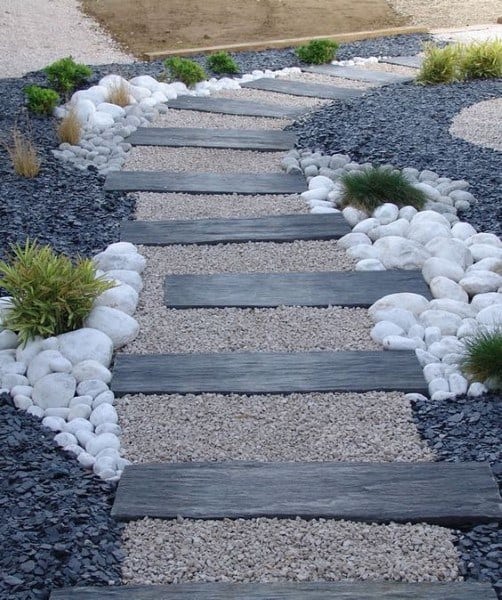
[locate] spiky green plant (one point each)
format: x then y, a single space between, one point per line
317 52
482 60
440 65
41 101
222 62
185 70
483 356
65 74
370 188
50 294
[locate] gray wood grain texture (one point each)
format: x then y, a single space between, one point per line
205 183
450 494
280 228
259 140
229 106
267 373
415 62
289 289
301 88
358 74
319 590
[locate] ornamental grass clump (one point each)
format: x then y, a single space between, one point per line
23 154
482 60
185 70
483 357
118 93
370 188
70 129
41 101
50 294
440 65
65 75
222 62
317 52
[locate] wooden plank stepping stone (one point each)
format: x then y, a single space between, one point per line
448 494
316 590
268 373
354 73
302 88
237 139
415 62
280 228
229 106
205 183
262 290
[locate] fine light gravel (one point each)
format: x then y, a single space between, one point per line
480 124
447 13
268 550
202 160
156 207
326 80
375 426
194 118
271 98
388 68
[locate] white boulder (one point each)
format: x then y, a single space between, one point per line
353 215
450 249
386 213
435 267
480 251
102 441
91 369
481 282
399 316
86 344
54 390
383 329
400 253
424 232
40 365
104 413
491 316
442 287
112 260
462 309
122 297
132 278
415 303
369 264
354 239
117 325
480 301
113 110
447 322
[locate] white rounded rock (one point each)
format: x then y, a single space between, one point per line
416 331
100 121
323 210
415 303
118 326
81 400
384 329
61 411
399 316
480 251
79 411
362 252
399 342
60 365
451 249
442 287
435 267
431 335
104 413
480 301
400 253
131 278
25 390
320 181
386 213
91 369
438 385
484 238
113 110
111 260
54 423
462 231
424 232
449 344
369 264
26 353
407 212
22 402
86 344
106 397
316 194
77 425
491 263
366 225
86 459
468 328
54 390
476 389
83 109
434 370
491 316
428 217
425 358
447 322
122 297
354 239
36 411
397 228
91 388
102 441
353 215
65 439
440 396
74 449
431 192
145 81
458 384
8 340
462 309
108 428
481 282
83 436
40 365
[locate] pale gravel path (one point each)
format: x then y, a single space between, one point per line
327 80
375 426
480 124
271 98
35 33
448 13
193 118
156 207
202 160
266 550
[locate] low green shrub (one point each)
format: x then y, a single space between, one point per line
370 188
65 74
482 60
185 70
50 294
317 52
222 62
483 357
41 101
440 65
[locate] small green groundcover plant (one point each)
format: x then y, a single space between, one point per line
50 293
370 188
317 52
185 70
460 62
483 357
41 101
65 74
222 62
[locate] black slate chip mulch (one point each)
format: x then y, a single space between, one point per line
469 429
55 528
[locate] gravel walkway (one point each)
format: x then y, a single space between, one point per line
448 13
375 426
277 550
480 124
327 80
194 118
156 207
202 160
271 98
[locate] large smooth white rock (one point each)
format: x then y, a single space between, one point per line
8 340
354 239
21 401
362 251
435 267
64 439
108 428
447 322
438 385
26 353
397 228
449 344
480 301
462 309
491 263
407 212
111 260
425 358
426 231
399 342
434 370
369 264
415 303
366 225
442 287
102 441
87 343
480 251
431 192
320 181
81 400
91 388
118 326
353 215
106 397
139 93
481 282
450 249
429 217
54 390
122 297
54 423
383 329
104 413
317 194
113 110
468 328
40 365
491 315
83 109
132 278
462 231
79 411
386 213
399 316
458 384
91 369
100 120
96 94
484 238
146 81
476 389
400 253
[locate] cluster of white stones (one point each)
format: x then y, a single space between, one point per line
356 60
64 379
106 125
462 267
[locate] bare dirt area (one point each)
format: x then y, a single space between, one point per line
151 25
